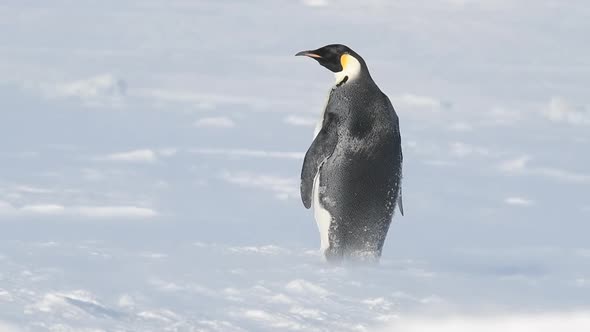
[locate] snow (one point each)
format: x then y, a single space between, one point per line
143 155
215 122
519 201
297 120
548 322
151 153
94 87
41 210
212 286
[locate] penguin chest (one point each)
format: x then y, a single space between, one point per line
321 215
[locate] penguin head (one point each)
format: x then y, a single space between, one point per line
345 63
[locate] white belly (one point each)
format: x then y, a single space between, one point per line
321 215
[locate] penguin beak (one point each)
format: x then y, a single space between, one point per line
309 54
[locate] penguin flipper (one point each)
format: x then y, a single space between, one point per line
321 149
400 204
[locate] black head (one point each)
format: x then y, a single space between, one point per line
330 56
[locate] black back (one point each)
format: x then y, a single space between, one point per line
359 150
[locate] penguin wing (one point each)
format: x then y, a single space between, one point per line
391 109
400 203
321 149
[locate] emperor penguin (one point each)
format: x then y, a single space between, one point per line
352 171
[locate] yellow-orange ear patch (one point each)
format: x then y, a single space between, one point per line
344 60
351 68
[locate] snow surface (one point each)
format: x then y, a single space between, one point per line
151 152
